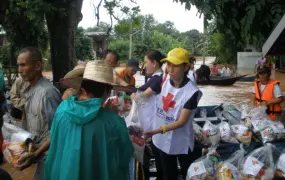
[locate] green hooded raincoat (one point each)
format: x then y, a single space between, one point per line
88 142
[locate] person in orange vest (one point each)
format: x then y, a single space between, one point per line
127 74
267 92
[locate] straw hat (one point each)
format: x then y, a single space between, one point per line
97 70
77 71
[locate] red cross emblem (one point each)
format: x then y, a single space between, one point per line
236 128
167 102
254 162
223 129
196 169
276 125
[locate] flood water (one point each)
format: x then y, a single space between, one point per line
238 94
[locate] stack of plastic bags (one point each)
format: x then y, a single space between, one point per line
268 130
18 143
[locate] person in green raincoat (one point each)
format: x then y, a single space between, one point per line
87 141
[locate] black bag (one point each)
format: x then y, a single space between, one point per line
16 113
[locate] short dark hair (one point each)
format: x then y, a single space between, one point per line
36 54
111 52
155 55
192 60
97 89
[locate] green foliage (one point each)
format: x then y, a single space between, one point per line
217 47
5 54
148 34
83 45
121 46
242 21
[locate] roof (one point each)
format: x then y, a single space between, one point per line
96 33
275 44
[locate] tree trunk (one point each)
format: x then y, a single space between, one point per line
62 27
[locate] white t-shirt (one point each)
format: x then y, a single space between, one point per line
226 72
276 90
191 76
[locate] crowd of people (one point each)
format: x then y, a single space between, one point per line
76 137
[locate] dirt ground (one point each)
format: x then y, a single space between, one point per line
27 174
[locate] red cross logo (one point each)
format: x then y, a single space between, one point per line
236 128
167 102
196 169
223 129
276 125
265 132
254 162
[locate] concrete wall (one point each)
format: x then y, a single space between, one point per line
247 60
250 47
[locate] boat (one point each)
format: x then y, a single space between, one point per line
220 81
282 70
247 79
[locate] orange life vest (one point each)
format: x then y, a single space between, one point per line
266 96
129 80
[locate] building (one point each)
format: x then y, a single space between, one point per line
99 42
275 44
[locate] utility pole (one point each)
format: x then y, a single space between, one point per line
131 38
205 34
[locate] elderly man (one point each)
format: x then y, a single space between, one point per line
42 100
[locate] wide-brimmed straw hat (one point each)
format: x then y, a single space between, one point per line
98 71
76 72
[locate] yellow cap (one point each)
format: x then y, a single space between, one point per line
177 56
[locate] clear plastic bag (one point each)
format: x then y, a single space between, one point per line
259 164
226 133
244 111
204 167
14 133
280 166
272 132
242 133
200 137
212 132
230 169
135 129
258 113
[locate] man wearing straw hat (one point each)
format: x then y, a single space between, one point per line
88 141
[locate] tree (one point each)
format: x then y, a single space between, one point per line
241 21
25 23
83 45
62 22
217 47
102 27
192 39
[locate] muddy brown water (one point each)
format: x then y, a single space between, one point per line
238 94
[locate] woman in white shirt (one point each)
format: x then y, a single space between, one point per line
176 102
